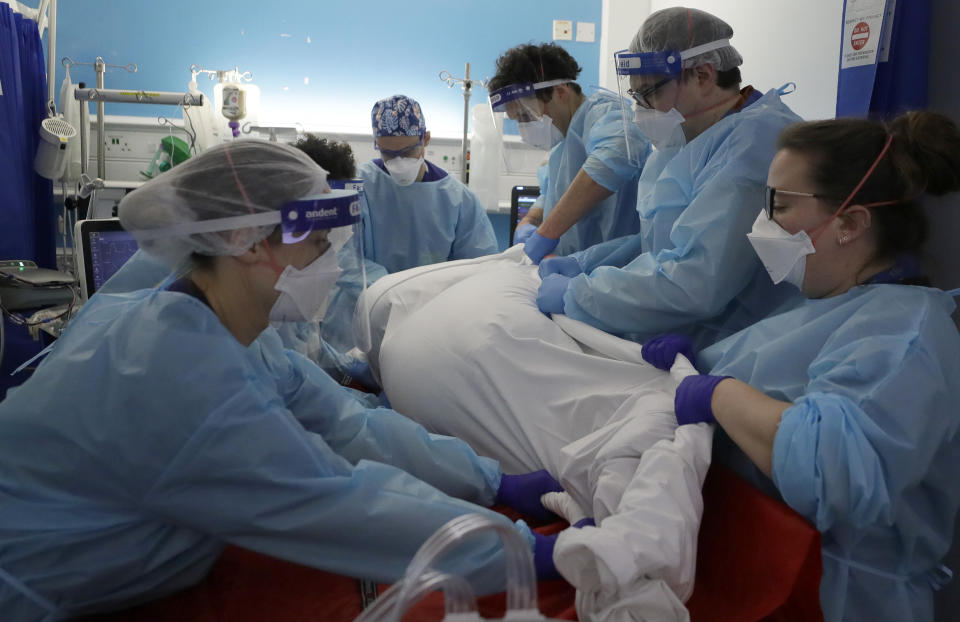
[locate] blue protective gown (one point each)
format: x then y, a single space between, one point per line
150 437
869 450
691 268
142 271
423 223
595 143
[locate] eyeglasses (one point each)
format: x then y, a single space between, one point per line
773 192
642 96
526 116
524 109
406 152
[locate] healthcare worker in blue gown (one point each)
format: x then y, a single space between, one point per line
417 214
691 263
166 422
142 271
846 406
330 344
590 192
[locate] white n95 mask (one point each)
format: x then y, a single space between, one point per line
664 129
304 293
783 255
404 170
541 134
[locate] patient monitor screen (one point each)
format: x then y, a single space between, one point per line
524 203
108 251
522 199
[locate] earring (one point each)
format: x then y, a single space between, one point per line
843 239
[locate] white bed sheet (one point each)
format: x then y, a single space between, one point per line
462 348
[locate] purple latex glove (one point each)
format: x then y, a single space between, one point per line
661 351
692 401
522 493
567 266
550 294
523 233
538 247
543 557
585 522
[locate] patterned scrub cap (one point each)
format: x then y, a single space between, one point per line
397 116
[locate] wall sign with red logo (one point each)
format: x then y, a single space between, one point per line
884 50
862 29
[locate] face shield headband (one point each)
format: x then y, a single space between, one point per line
514 92
338 208
665 63
346 184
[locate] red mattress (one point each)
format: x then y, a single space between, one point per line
757 560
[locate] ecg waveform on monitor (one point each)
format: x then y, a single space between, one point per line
109 251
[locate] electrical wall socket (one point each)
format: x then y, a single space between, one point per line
586 32
562 30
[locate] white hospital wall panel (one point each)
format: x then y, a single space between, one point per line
621 19
780 40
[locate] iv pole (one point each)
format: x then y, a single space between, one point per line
447 77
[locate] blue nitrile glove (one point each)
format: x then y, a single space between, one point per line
692 401
567 266
661 351
550 294
522 493
537 247
585 522
523 233
543 557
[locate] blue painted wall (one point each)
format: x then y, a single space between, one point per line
322 64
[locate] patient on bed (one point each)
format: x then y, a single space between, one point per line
462 348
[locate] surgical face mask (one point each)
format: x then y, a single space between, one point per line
541 134
404 170
304 293
664 129
783 255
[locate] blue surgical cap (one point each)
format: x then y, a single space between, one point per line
397 116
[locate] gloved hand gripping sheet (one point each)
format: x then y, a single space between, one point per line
462 348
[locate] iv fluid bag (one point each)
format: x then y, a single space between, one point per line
252 93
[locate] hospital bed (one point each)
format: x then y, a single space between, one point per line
757 560
461 348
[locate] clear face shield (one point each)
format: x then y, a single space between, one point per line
332 221
352 261
328 225
649 84
519 102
